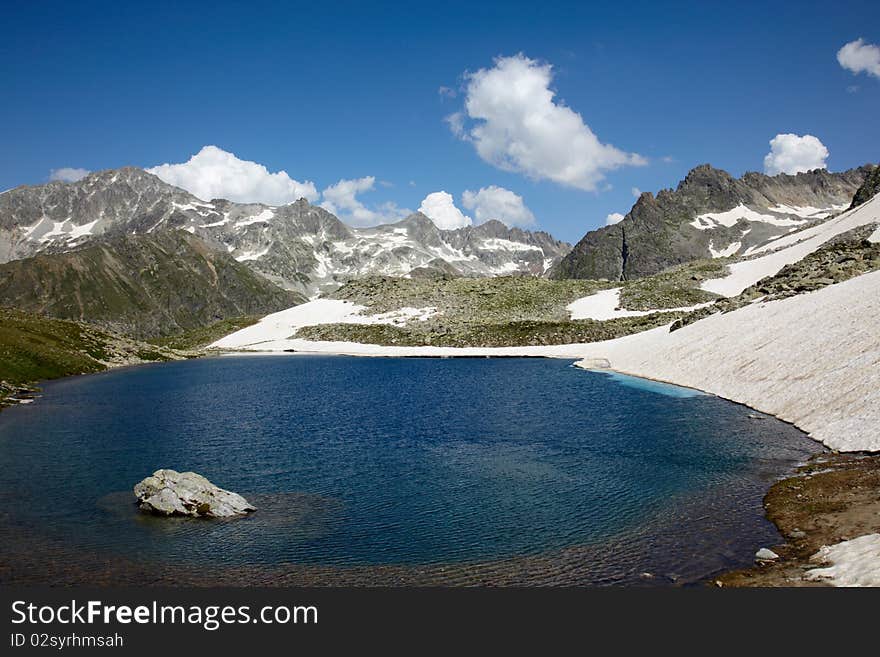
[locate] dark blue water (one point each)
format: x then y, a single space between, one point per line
368 462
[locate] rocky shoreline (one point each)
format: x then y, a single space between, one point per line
832 499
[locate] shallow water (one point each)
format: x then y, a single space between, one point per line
525 470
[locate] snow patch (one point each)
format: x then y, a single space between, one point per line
276 329
853 563
46 230
498 244
605 304
262 217
252 255
729 250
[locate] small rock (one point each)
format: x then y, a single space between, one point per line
796 533
172 493
766 555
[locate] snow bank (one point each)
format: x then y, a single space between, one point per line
812 359
792 248
853 563
271 332
606 305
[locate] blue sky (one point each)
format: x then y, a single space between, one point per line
350 90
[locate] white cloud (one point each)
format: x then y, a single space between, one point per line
516 125
860 57
613 218
68 174
215 173
440 208
793 154
341 199
447 92
497 203
636 192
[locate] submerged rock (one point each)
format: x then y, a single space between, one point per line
172 493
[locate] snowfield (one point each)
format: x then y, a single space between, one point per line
812 359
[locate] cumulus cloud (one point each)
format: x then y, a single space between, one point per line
635 191
447 92
68 174
215 173
860 57
514 123
793 154
341 199
613 218
440 208
497 203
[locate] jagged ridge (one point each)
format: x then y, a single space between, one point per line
709 214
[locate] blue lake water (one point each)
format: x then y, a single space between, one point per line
371 463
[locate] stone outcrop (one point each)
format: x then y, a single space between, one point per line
172 493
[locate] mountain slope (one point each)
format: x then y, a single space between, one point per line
299 246
143 285
709 214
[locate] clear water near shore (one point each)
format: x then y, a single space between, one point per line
405 463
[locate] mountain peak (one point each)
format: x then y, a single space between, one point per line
417 219
705 175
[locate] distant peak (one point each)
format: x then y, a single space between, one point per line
417 219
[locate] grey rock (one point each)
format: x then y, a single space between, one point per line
172 493
765 554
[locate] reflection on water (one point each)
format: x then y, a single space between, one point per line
378 471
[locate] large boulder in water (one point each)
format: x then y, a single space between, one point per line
172 493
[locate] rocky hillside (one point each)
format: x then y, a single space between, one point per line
142 285
869 189
299 246
709 214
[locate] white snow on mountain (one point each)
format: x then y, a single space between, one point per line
790 248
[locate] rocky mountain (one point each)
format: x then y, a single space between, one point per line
298 246
710 214
142 285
